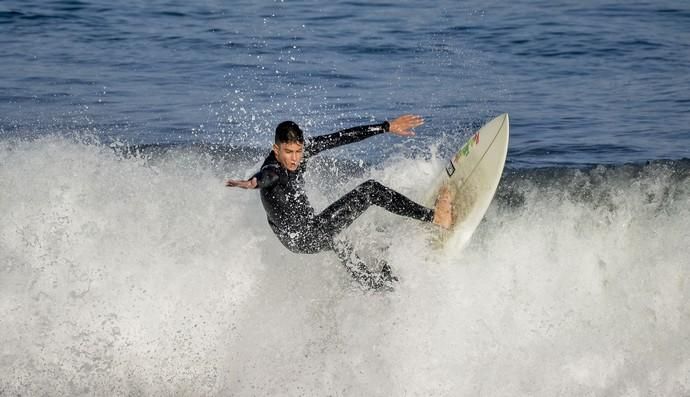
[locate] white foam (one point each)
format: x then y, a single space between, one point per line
128 276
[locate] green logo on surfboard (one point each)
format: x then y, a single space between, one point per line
463 152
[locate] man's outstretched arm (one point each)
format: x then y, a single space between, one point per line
401 126
248 184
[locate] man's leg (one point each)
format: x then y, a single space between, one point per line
345 210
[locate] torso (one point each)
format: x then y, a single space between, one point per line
286 203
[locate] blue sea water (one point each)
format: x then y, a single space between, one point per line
126 268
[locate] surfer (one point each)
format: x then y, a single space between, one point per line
293 219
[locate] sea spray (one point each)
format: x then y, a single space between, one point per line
143 274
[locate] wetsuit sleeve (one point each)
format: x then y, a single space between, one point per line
344 137
267 176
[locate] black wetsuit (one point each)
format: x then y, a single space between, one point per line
294 220
301 230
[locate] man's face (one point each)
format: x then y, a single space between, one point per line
289 154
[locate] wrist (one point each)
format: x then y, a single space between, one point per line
386 126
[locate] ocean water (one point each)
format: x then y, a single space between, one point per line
127 268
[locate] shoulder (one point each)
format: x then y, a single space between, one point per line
270 158
271 165
271 161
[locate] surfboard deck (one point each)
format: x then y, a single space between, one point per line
472 175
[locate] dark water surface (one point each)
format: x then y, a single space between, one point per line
585 83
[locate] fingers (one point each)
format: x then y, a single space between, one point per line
412 120
403 125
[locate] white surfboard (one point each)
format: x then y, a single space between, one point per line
473 175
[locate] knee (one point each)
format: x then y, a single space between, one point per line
370 184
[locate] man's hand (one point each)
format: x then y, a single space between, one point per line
250 184
403 125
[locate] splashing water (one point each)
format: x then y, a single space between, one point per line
144 275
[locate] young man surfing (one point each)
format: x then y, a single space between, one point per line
293 219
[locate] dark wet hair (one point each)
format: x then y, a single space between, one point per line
289 132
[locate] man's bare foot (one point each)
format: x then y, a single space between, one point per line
443 211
